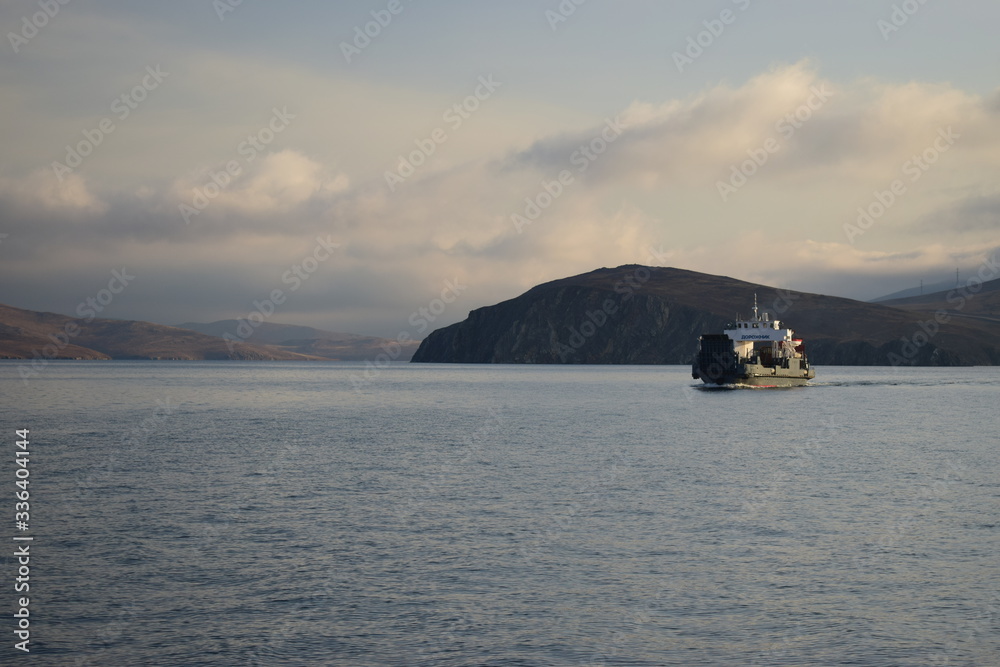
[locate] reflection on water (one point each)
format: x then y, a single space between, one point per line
240 513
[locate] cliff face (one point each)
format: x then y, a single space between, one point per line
646 315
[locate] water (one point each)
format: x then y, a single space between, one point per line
284 514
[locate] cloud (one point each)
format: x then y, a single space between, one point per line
814 266
41 190
993 103
860 131
273 184
973 213
654 185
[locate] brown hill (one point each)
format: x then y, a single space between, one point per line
976 301
308 340
26 334
648 315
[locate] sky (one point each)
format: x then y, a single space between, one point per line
365 166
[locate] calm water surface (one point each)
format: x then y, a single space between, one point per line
307 514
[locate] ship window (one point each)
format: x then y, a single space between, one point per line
754 325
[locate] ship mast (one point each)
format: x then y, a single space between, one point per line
755 317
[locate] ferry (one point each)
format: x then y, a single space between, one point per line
758 352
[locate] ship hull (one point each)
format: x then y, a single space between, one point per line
758 381
756 375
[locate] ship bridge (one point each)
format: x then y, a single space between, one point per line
762 329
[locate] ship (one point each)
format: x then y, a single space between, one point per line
758 351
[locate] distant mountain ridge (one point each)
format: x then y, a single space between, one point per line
650 315
980 301
306 340
266 332
28 334
942 286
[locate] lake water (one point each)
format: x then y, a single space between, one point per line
304 514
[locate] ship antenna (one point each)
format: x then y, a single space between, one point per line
755 307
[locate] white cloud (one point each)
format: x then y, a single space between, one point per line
272 184
42 189
654 186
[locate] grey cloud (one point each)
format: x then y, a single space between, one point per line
976 213
993 103
148 221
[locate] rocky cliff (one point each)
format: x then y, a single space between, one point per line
648 315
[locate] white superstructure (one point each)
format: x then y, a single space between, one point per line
763 328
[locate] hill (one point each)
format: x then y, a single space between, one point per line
978 302
943 285
27 334
648 315
307 340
